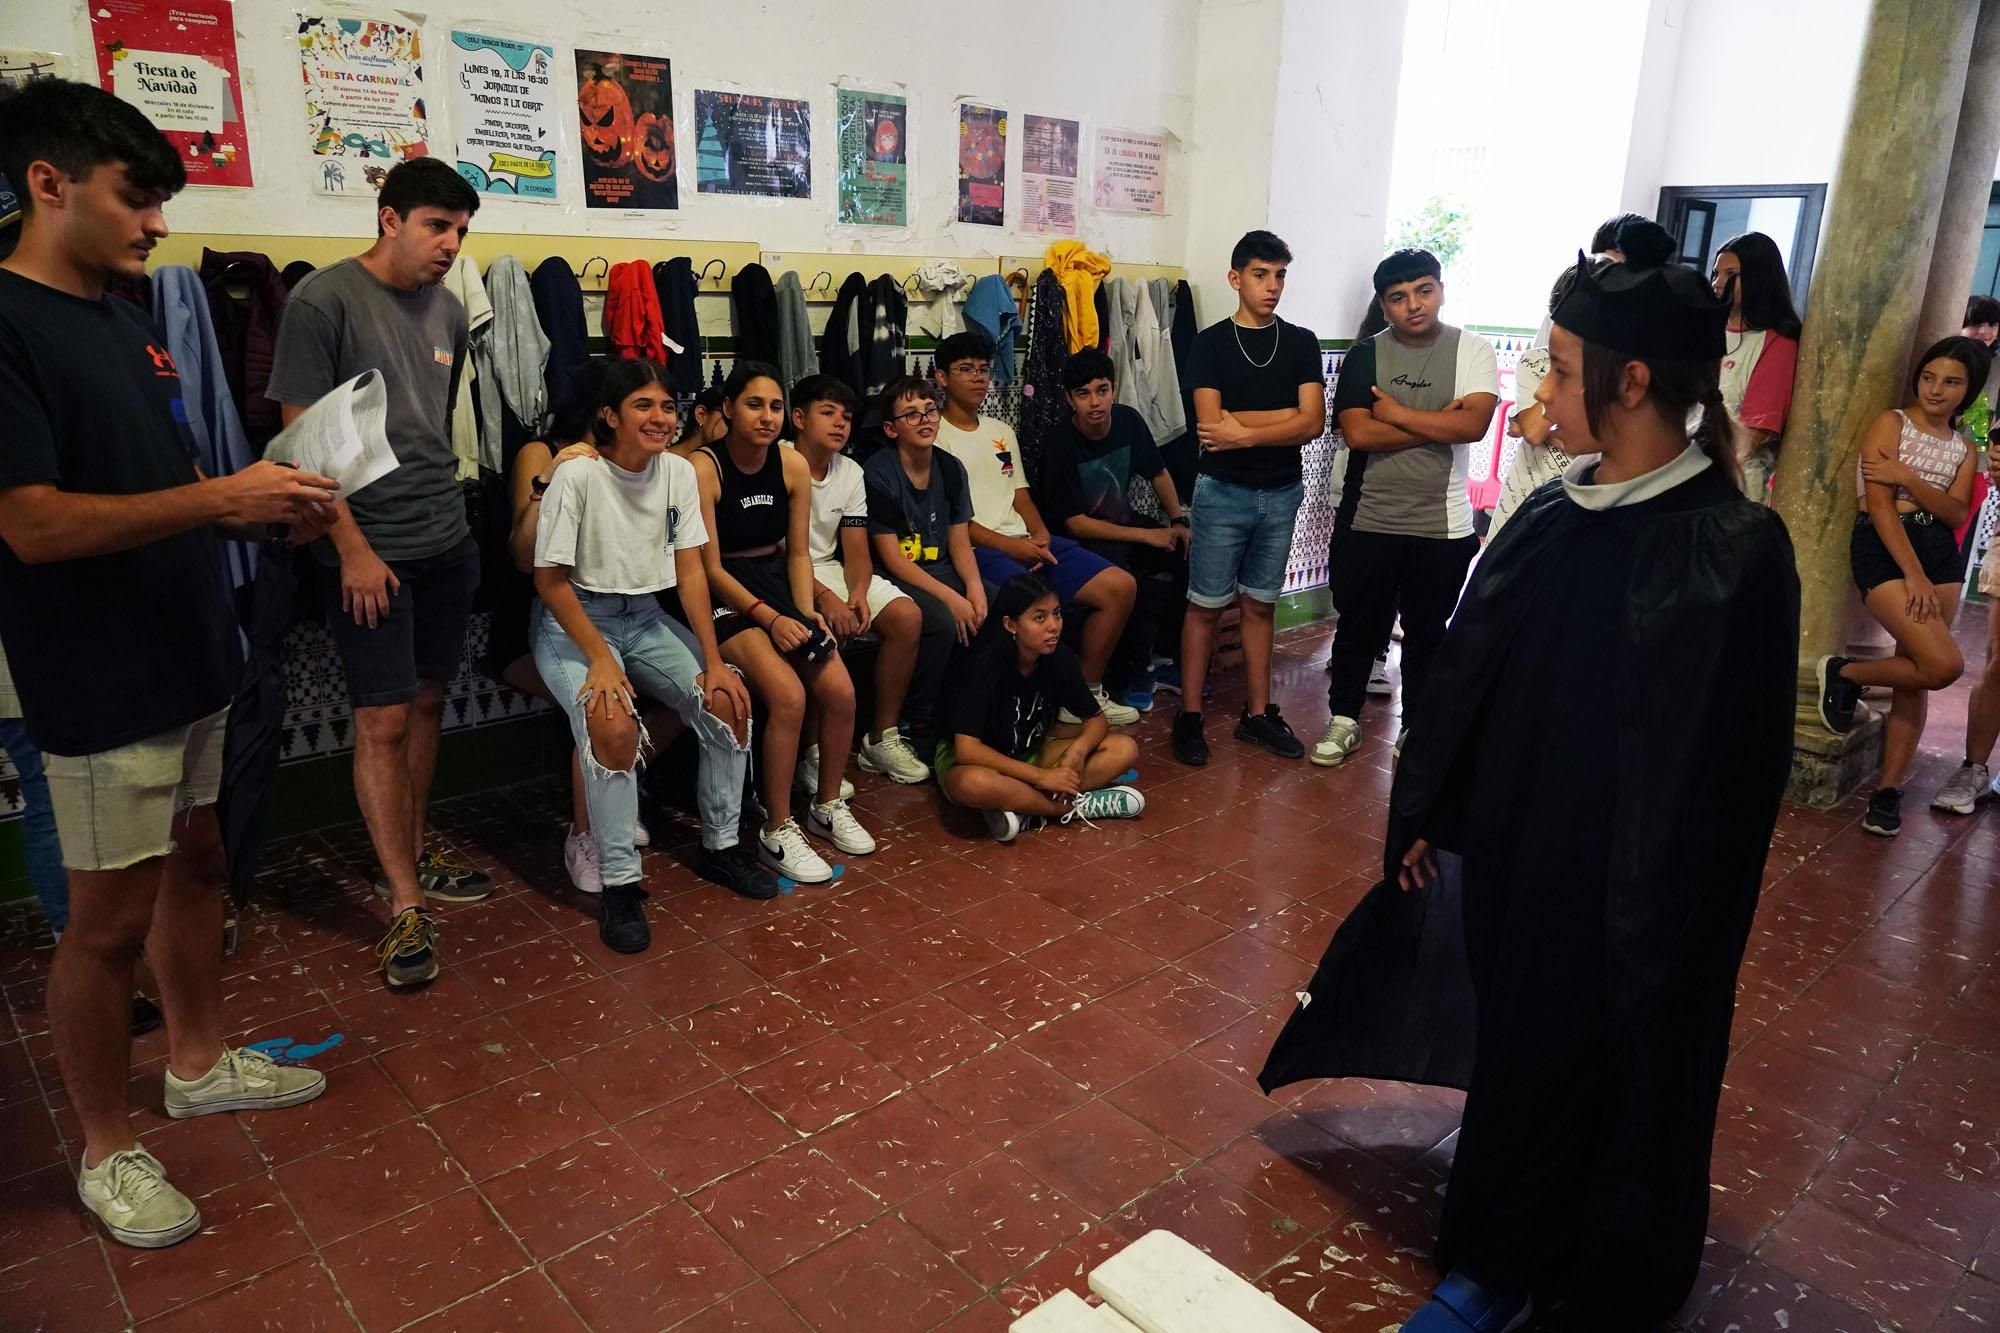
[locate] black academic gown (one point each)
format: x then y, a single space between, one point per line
1604 745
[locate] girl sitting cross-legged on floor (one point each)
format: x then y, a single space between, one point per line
997 755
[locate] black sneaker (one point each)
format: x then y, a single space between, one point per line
146 1015
408 953
1190 746
1838 696
1268 730
450 880
1885 812
736 869
621 920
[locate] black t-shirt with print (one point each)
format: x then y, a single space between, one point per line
1094 478
109 649
992 701
1255 370
921 520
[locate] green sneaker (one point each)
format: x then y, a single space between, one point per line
242 1080
129 1193
445 878
408 953
1106 803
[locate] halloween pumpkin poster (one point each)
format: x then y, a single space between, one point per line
364 81
625 111
178 65
982 165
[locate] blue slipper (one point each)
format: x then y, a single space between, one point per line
1460 1305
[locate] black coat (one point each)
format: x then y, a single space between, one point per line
1604 743
674 283
559 307
852 310
753 304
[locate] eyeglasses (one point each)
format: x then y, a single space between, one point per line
969 370
918 415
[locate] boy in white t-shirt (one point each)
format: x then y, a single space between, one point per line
1008 535
845 589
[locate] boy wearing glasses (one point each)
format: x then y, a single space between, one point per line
1008 534
919 512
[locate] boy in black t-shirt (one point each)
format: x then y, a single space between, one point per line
1259 393
919 526
998 757
116 621
1092 467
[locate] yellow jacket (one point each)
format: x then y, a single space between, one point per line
1080 270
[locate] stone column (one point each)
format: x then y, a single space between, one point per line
1968 186
1875 255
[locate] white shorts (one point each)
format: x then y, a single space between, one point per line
881 592
118 808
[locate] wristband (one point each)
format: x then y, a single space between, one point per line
1179 521
750 611
537 485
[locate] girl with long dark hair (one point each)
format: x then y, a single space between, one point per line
1762 355
1576 974
1914 480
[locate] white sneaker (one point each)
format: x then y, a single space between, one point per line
1380 683
786 851
1342 735
580 856
242 1080
1106 803
835 823
129 1193
806 776
1005 825
641 835
1967 788
891 755
1115 713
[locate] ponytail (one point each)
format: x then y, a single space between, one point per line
1716 436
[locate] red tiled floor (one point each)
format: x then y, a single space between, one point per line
954 1081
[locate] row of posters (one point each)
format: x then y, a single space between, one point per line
365 89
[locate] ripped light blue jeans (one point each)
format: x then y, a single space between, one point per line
659 656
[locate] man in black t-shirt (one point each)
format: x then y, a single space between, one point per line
115 616
1259 393
1092 468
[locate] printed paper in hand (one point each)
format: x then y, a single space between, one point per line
344 436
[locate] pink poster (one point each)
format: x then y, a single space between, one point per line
176 61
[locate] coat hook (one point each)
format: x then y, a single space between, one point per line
595 259
721 266
822 282
910 283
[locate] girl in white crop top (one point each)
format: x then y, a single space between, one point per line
1916 476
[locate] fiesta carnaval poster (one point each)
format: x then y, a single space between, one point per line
747 144
1049 151
873 145
364 81
177 63
625 111
1131 172
500 105
982 165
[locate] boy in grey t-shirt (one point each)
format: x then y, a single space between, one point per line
399 566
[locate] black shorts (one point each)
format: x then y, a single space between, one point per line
1936 548
422 639
764 577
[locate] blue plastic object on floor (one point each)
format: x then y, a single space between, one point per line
1461 1305
787 884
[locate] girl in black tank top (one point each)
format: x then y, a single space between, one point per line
756 502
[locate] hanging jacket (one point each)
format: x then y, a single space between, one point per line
1183 456
990 307
889 313
559 306
1115 311
633 326
246 299
180 307
753 314
516 360
1143 357
466 425
1163 378
293 271
840 342
1079 270
673 282
1044 408
939 282
797 357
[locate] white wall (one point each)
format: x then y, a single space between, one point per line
1229 150
1128 63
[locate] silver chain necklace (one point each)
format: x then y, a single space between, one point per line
1277 336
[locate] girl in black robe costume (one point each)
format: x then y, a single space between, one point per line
1584 814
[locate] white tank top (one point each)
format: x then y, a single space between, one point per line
1935 461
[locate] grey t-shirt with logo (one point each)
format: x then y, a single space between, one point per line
343 320
1419 491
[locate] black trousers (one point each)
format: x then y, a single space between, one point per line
937 641
1155 623
1376 577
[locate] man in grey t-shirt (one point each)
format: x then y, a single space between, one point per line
399 566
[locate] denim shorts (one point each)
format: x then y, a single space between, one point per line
1242 540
